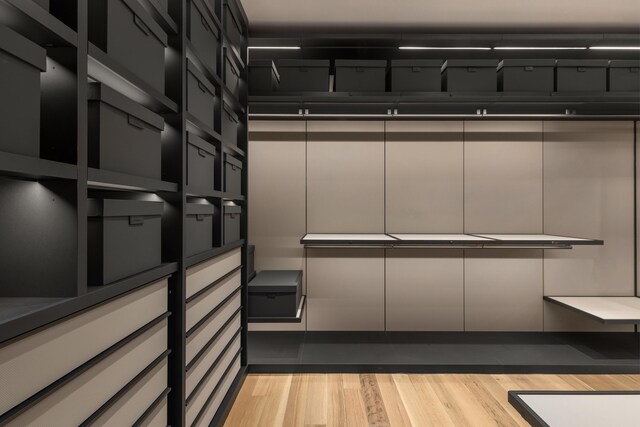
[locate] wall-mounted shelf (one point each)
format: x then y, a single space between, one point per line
29 18
296 319
102 179
620 310
104 69
35 168
522 241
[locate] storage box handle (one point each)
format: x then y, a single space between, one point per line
143 27
135 122
581 69
271 296
202 87
234 168
202 153
233 70
303 70
136 220
416 69
359 70
233 216
528 68
204 23
471 69
200 217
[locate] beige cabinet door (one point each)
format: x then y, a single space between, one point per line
588 181
424 290
503 177
503 290
424 177
345 177
345 289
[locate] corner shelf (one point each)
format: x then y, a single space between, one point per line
27 17
35 168
480 241
608 310
104 69
296 319
101 179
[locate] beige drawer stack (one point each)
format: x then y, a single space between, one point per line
104 366
213 339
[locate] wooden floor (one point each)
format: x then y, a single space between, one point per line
398 400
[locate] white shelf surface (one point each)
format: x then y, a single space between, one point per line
623 310
537 238
445 238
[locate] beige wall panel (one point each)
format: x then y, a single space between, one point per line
560 319
589 192
424 290
277 187
503 177
345 289
638 201
424 177
503 290
345 177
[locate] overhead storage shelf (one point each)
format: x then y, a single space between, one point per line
522 241
620 310
102 179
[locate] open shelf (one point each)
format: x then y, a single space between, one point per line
104 69
192 55
195 126
202 192
213 252
160 15
231 99
234 197
30 19
236 56
296 319
536 241
233 149
620 310
102 179
35 168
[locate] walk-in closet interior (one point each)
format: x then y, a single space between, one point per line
196 191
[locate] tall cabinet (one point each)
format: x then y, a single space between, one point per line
123 175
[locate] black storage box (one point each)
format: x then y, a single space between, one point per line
229 125
473 75
201 96
263 76
586 75
232 175
251 255
21 62
233 27
231 74
624 76
232 214
204 34
123 136
125 238
415 75
526 75
199 228
201 160
360 75
275 293
304 75
126 32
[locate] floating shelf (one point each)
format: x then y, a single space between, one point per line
35 168
296 319
536 241
102 179
104 69
618 310
30 19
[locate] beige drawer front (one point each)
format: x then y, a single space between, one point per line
205 303
205 273
201 395
158 418
133 404
214 404
199 339
58 350
77 400
199 369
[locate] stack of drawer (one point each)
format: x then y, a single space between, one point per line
106 365
213 326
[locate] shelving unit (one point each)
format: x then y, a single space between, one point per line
59 183
524 241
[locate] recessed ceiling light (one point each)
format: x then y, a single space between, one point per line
615 47
443 48
538 48
276 47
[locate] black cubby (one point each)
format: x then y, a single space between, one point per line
199 228
204 34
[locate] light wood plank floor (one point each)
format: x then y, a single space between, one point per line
380 400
